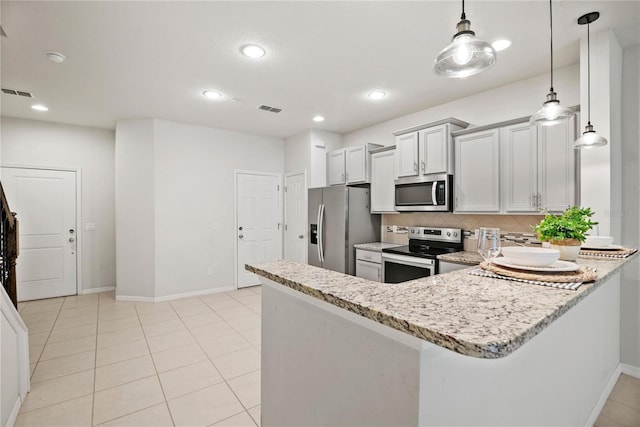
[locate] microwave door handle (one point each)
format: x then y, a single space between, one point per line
433 193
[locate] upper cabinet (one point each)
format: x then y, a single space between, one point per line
351 165
382 176
426 149
516 168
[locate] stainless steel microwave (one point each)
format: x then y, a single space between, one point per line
426 193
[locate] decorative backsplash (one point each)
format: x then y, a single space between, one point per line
512 227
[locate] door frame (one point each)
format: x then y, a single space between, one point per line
237 172
305 218
79 233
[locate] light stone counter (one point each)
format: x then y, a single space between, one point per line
471 315
462 257
375 246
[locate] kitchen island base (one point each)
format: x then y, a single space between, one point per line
323 365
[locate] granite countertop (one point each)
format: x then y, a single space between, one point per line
375 246
471 315
463 257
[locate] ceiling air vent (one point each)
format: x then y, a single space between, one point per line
269 108
17 92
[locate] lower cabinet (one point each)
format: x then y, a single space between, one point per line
448 267
369 265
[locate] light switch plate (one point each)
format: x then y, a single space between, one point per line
91 226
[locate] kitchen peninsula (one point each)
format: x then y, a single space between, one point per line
452 349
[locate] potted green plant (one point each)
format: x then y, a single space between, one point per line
566 231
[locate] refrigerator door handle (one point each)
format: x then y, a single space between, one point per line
321 232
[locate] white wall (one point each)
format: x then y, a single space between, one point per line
194 201
504 103
52 145
630 285
135 208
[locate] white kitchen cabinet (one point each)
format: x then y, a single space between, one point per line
350 165
426 149
538 167
336 168
369 265
477 177
407 154
382 181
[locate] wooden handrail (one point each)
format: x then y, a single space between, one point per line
8 248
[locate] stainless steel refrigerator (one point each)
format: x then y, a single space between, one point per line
339 218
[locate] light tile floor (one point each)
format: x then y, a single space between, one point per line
188 362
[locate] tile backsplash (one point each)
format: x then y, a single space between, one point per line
506 223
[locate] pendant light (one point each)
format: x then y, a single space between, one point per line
466 55
551 112
589 138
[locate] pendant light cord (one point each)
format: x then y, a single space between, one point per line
551 26
463 14
588 73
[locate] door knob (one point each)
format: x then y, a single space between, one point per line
241 237
301 236
71 239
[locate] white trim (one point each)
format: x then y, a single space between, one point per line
595 412
237 172
10 313
14 413
631 370
97 290
78 229
175 296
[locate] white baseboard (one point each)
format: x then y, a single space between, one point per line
14 413
595 413
97 290
634 371
174 296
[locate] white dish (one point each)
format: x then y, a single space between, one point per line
599 241
557 266
530 256
601 248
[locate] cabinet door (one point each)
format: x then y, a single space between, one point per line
519 167
434 149
407 154
382 185
477 177
369 270
356 164
335 167
556 166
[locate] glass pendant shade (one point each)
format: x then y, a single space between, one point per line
465 56
551 112
589 139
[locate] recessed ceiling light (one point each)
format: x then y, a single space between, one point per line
376 94
39 107
253 51
212 94
56 57
318 119
499 45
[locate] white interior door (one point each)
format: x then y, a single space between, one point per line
258 234
295 218
45 201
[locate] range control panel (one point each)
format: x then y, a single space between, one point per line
453 235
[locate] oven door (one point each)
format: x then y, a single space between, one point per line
401 268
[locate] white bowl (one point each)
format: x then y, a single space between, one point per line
598 241
533 257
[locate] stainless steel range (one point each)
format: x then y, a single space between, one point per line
418 259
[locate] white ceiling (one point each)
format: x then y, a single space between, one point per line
154 59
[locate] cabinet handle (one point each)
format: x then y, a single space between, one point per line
379 268
424 167
343 176
539 200
415 166
347 175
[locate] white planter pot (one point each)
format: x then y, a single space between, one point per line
567 253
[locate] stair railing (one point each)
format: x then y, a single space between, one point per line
8 248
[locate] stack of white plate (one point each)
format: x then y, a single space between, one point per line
533 259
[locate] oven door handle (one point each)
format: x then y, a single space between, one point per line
408 260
